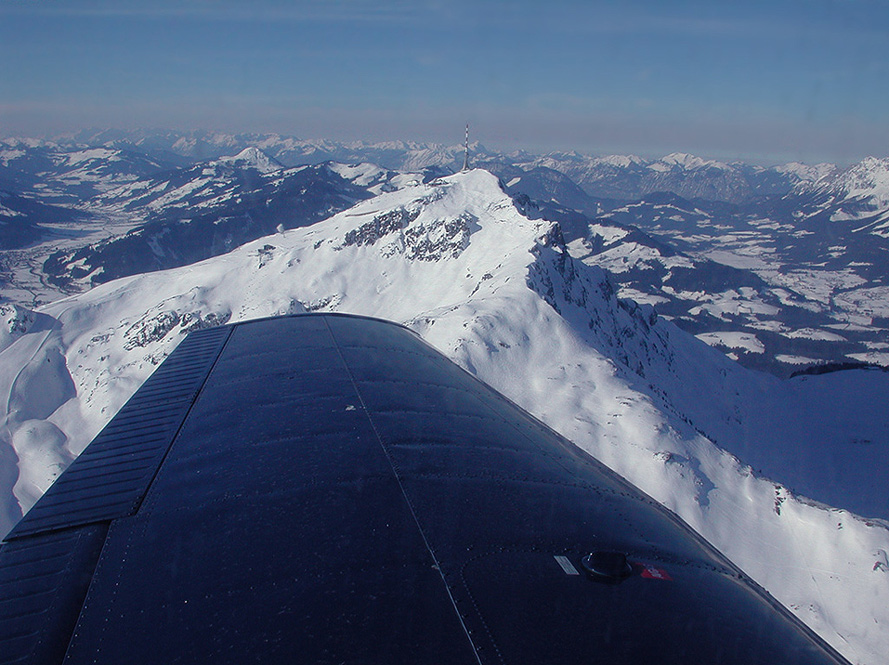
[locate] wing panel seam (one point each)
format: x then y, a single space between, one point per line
403 491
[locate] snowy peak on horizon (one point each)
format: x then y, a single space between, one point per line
808 174
253 158
622 177
857 194
689 162
620 161
196 146
869 179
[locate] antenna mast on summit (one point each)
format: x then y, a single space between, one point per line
466 150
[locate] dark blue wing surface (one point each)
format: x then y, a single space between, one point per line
329 489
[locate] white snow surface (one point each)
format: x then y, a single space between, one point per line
497 293
742 341
375 179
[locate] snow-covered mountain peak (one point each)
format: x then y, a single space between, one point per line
872 163
253 158
435 222
620 161
807 174
869 179
688 162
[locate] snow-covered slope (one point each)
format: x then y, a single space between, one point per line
499 293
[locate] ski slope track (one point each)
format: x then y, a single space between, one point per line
733 452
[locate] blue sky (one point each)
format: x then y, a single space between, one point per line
772 81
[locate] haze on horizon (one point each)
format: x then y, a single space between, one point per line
763 81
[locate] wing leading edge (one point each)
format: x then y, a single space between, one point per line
328 489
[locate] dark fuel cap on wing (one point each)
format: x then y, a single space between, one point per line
606 566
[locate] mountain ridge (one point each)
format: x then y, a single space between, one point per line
787 280
638 176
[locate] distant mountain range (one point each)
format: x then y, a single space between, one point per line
620 177
781 268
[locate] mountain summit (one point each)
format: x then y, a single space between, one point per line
253 158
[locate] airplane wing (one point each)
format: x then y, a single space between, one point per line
330 489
